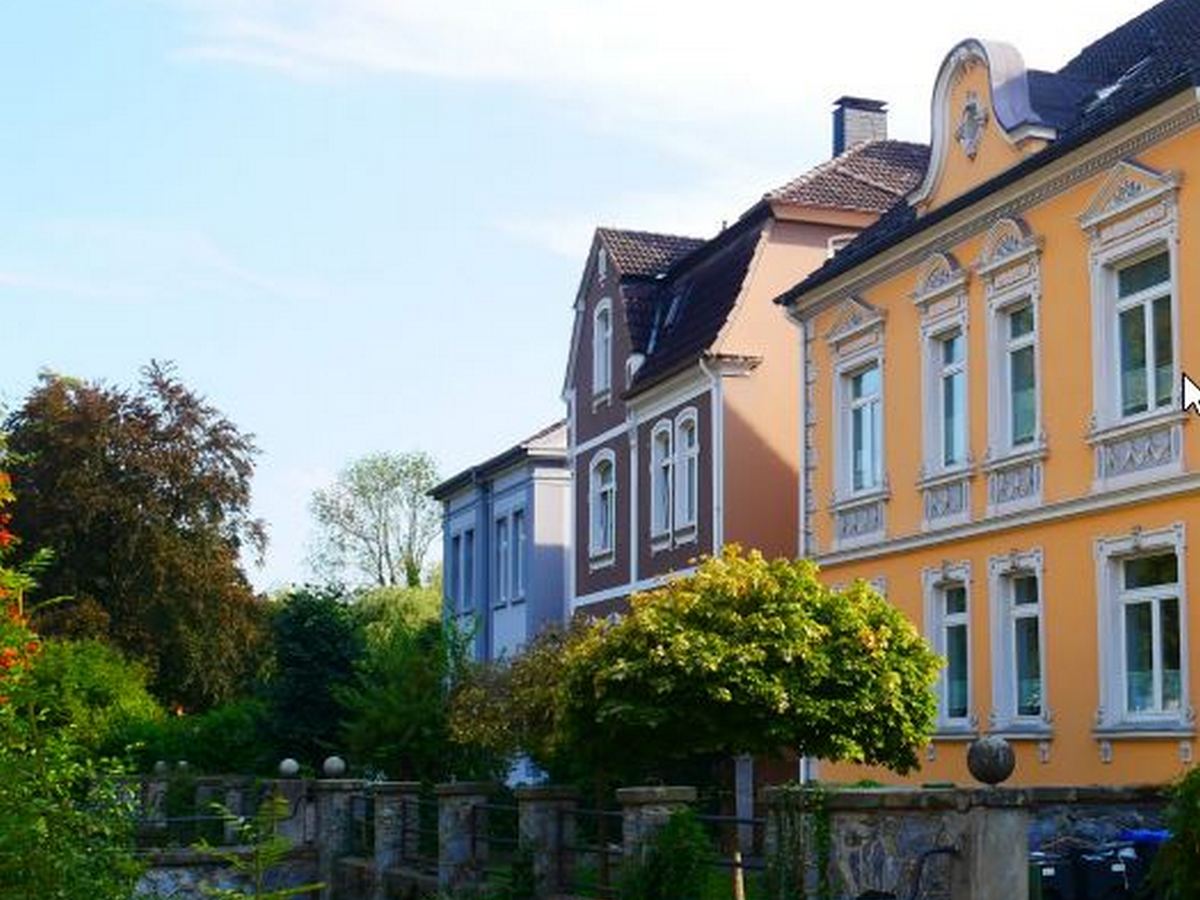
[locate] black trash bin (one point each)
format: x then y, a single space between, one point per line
1052 876
1107 872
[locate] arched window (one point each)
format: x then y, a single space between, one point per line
662 487
602 347
602 503
687 469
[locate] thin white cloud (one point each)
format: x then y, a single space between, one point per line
113 260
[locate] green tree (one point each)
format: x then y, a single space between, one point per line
744 656
377 519
144 498
66 820
316 645
398 706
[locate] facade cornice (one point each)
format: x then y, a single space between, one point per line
1162 489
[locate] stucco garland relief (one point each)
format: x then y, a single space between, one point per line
1030 198
1136 452
1019 481
971 124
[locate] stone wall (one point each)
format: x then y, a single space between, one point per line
183 874
954 842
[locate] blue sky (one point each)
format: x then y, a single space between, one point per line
357 225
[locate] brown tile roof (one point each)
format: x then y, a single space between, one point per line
645 252
870 177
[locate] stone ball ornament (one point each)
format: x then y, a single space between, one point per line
334 767
991 759
161 767
289 768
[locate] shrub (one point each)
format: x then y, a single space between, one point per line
1176 870
674 865
94 690
230 738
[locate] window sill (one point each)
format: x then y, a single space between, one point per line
843 502
685 534
1012 730
604 560
601 398
1120 428
947 732
1022 454
942 477
660 542
1144 731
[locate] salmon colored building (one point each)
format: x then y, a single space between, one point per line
994 432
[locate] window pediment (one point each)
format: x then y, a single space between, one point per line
1129 186
941 281
855 322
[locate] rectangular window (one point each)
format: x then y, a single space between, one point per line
687 472
1027 656
953 399
503 585
954 636
1145 343
519 544
865 427
1150 619
453 568
1022 380
467 565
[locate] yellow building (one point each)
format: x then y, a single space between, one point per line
994 432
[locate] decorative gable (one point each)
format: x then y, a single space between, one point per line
983 121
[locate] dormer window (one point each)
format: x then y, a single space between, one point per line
602 350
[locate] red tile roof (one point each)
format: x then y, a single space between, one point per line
870 177
645 252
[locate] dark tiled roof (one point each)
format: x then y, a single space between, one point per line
690 307
1126 72
870 177
644 252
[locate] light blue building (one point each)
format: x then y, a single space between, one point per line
505 528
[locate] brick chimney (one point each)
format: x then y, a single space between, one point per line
857 119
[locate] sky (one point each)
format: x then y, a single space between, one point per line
359 225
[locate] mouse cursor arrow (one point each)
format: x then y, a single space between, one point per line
1191 396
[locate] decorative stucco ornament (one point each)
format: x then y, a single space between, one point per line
970 125
289 768
991 759
334 767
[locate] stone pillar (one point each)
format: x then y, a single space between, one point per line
296 793
333 827
546 824
462 832
237 796
396 829
154 803
743 798
645 810
994 862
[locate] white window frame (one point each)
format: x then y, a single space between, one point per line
1145 299
602 547
602 350
1134 216
467 568
687 475
662 481
1002 572
936 581
520 543
845 406
502 552
1112 717
934 334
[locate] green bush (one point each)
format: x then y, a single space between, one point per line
230 738
1176 871
674 865
93 689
